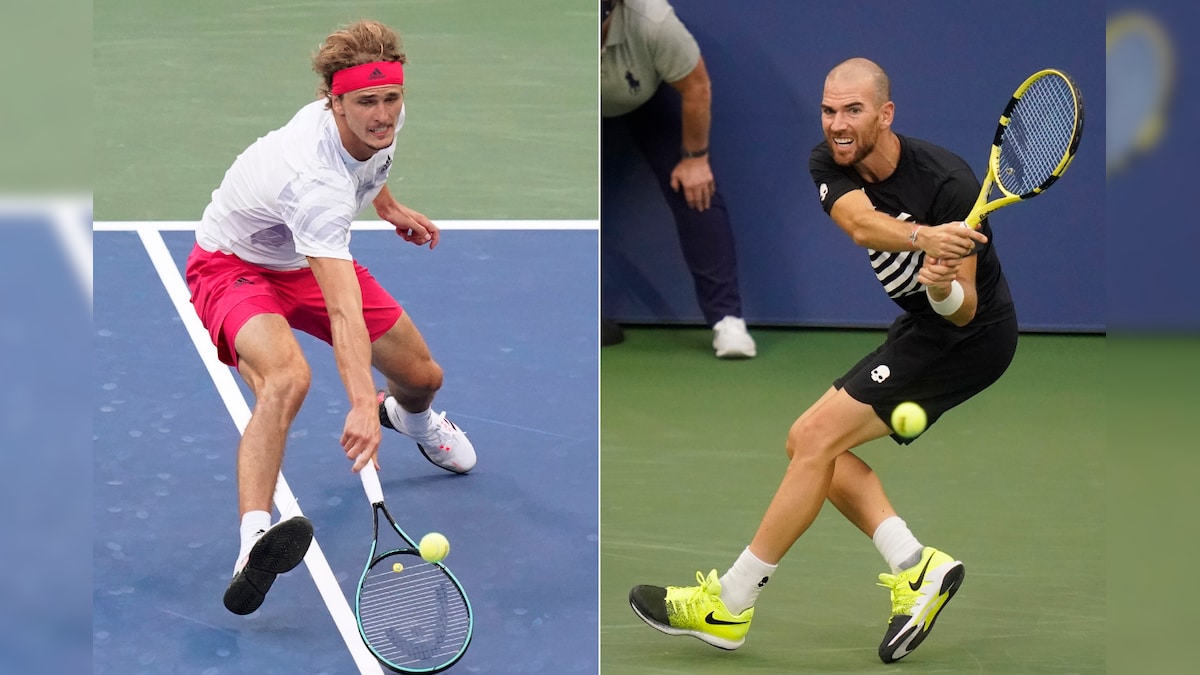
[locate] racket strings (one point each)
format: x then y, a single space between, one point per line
416 618
1039 135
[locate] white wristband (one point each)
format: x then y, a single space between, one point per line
952 302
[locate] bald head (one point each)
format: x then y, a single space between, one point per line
860 71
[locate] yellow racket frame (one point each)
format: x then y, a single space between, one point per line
983 207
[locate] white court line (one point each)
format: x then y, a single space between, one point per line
66 212
76 242
239 410
180 225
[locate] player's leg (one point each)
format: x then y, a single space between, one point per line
270 361
239 306
413 379
858 493
719 610
922 578
273 366
829 428
705 237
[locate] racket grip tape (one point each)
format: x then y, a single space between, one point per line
370 481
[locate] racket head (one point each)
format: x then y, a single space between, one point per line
1140 74
417 620
1038 134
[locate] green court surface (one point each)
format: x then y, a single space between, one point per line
501 101
1011 482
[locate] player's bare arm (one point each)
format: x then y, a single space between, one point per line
352 352
693 174
412 226
937 275
856 215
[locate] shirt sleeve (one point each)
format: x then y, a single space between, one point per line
319 211
831 181
674 50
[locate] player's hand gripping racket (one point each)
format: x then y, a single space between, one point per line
1035 142
413 615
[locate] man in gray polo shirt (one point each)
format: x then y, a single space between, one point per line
653 80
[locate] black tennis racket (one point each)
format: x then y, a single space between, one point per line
1035 141
413 615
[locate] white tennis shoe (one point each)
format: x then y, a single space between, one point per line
731 339
444 444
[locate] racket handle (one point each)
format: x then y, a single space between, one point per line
370 481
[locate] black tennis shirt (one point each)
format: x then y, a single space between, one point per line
930 186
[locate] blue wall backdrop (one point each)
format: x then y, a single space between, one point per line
953 66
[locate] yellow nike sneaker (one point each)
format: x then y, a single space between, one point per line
918 595
692 610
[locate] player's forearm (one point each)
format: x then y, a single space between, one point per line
966 311
384 202
352 353
351 340
880 232
697 118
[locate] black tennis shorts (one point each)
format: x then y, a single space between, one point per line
931 363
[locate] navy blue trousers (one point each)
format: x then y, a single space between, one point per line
706 238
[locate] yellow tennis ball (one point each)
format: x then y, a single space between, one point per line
908 420
397 568
434 547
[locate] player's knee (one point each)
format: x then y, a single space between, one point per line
288 384
428 378
805 440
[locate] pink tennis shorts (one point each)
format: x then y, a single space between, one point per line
227 291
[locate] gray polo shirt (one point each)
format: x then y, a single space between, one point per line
646 46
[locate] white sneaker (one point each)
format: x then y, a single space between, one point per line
445 444
731 341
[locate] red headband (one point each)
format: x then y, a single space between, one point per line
374 74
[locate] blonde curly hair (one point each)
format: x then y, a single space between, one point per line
358 43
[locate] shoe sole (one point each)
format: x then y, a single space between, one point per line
440 466
720 643
280 550
907 641
736 355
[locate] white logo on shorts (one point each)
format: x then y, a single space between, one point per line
824 190
881 373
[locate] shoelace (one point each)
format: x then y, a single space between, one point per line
903 597
704 587
695 599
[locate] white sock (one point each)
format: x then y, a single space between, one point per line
741 584
897 544
254 523
408 423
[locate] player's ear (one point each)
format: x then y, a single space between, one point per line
886 113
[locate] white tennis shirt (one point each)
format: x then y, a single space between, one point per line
293 193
